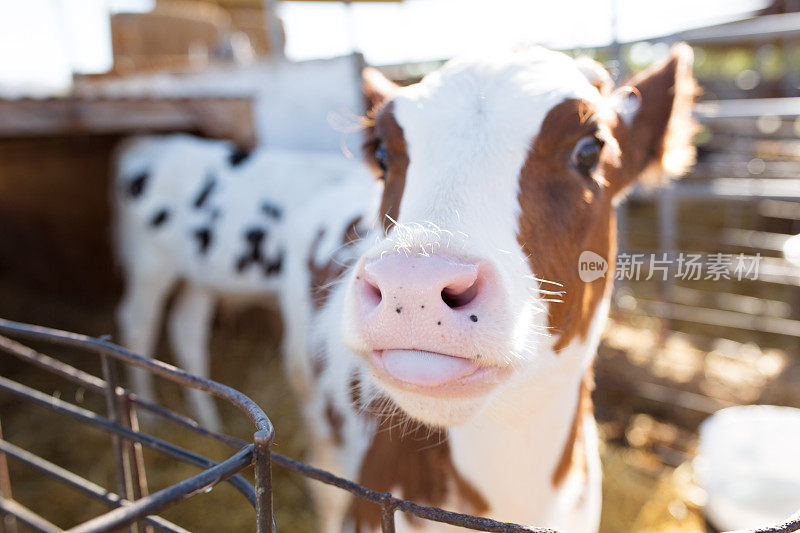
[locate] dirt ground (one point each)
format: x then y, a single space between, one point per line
648 484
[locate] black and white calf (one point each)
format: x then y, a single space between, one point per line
211 216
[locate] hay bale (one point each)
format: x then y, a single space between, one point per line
642 495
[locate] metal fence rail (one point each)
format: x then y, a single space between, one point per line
131 504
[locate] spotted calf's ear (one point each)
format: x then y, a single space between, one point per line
655 125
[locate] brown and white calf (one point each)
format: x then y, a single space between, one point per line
450 361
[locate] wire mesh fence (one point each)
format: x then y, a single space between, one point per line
132 505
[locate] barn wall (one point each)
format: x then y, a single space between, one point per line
54 214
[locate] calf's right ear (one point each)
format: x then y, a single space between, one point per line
655 137
377 88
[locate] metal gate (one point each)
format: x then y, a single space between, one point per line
131 504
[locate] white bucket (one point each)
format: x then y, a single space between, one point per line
749 463
791 250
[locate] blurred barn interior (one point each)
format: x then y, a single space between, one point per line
675 351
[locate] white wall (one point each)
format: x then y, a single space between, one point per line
295 102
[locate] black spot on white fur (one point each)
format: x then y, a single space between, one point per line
273 266
137 184
204 237
239 156
205 192
159 218
272 210
255 238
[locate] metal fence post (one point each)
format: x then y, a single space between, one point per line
112 405
387 513
133 449
9 521
263 472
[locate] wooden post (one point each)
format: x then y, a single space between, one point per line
667 221
274 29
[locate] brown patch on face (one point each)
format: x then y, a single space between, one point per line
383 130
387 132
323 276
564 213
416 462
574 454
335 422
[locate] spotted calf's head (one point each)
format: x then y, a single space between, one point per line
498 173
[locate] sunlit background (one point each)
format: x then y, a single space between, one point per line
43 42
79 76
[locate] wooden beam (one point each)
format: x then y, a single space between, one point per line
748 107
728 189
719 318
260 3
228 118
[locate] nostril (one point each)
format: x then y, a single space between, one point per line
371 292
457 296
392 281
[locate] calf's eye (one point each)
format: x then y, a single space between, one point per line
586 154
382 157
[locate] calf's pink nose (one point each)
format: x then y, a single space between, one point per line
426 303
424 319
437 281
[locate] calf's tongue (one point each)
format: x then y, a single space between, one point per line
425 368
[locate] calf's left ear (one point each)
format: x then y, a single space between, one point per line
655 136
378 89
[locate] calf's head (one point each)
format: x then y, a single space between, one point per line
498 173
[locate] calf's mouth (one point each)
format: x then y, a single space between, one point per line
435 374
